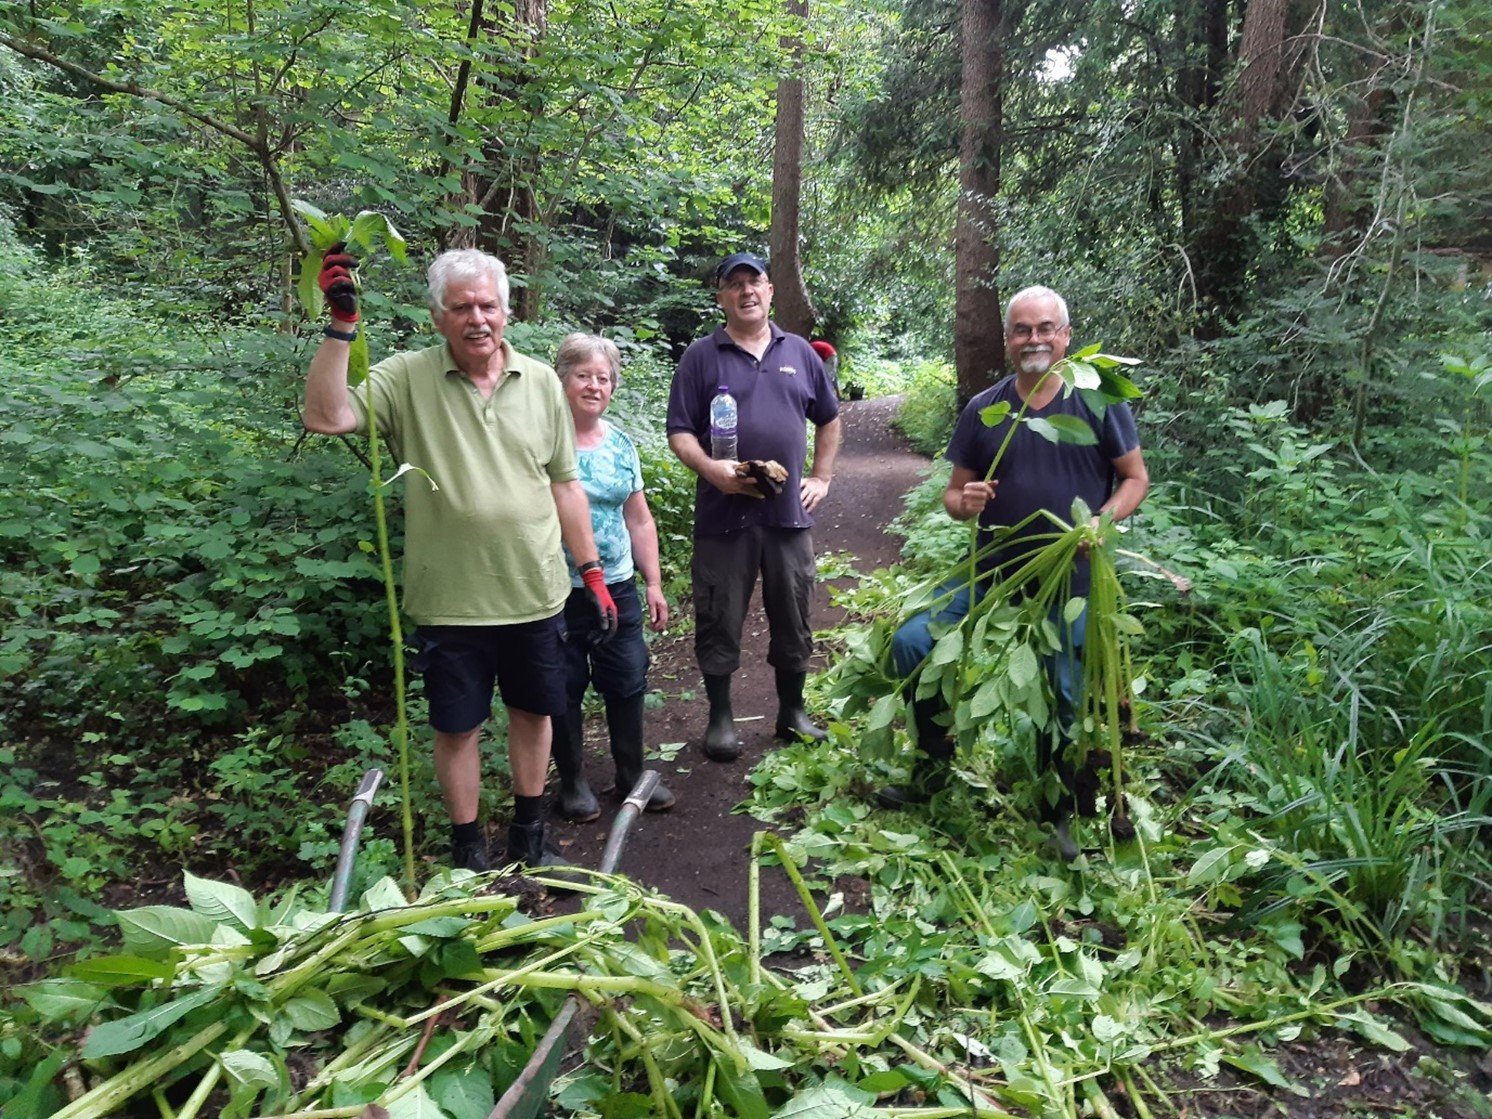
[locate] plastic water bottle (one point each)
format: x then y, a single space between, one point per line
723 425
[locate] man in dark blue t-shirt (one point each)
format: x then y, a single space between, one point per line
740 532
1034 474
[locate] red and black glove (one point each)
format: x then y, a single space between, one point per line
594 578
337 283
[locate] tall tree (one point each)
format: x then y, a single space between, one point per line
795 310
978 340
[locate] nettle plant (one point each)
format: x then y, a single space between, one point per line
988 665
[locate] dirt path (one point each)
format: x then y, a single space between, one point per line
698 852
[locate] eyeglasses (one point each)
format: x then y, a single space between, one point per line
1043 332
591 378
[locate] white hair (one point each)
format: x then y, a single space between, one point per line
579 348
1036 291
465 264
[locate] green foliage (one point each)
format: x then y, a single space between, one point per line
930 410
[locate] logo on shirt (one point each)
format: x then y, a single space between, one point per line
788 369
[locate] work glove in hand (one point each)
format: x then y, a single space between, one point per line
769 476
594 579
337 284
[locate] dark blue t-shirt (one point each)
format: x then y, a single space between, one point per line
773 397
1037 473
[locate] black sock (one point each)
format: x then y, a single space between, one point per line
528 810
466 835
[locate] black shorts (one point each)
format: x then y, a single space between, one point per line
460 665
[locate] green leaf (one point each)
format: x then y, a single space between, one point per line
153 930
415 1104
357 360
120 971
1023 666
308 284
1371 1029
125 1035
463 1094
828 1101
63 1001
1213 866
370 224
312 1010
223 902
995 413
1252 1060
1073 430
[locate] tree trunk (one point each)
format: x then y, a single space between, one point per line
978 336
1226 240
1201 37
795 310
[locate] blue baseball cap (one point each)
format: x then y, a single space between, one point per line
739 260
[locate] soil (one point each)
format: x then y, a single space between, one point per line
698 852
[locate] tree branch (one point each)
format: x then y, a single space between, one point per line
232 131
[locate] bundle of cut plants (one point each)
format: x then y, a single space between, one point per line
989 662
234 1008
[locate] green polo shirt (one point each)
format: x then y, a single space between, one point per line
483 548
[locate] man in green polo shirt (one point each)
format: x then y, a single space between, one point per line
485 577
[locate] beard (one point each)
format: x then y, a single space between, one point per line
1036 360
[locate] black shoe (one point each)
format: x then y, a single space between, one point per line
470 856
722 743
529 849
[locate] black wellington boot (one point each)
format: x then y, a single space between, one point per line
576 801
722 743
624 721
930 771
527 848
792 721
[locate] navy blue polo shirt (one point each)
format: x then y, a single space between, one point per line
773 397
1036 473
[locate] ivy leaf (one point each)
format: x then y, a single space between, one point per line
125 1035
223 902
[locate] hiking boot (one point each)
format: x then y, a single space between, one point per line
722 743
624 722
793 722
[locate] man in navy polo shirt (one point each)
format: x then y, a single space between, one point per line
739 532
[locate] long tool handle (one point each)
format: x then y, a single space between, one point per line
357 812
530 1087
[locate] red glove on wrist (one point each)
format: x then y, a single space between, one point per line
337 283
594 579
